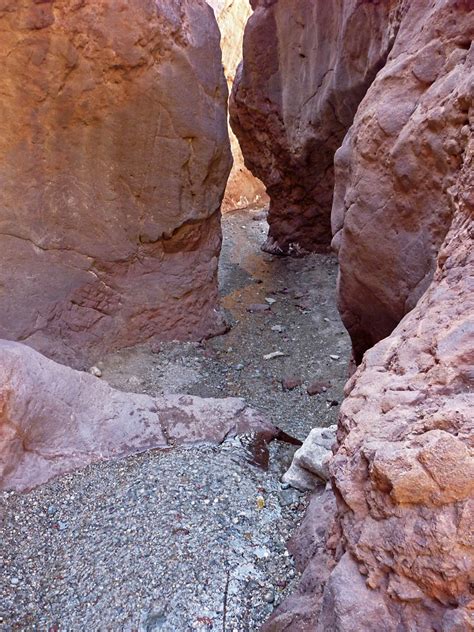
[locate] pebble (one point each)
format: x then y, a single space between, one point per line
334 357
270 301
94 370
278 328
274 354
290 382
269 597
317 387
258 307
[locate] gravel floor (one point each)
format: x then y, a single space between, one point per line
190 539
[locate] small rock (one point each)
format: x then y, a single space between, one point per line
239 367
278 328
14 581
274 354
260 502
270 301
269 597
334 357
317 387
258 308
290 382
94 370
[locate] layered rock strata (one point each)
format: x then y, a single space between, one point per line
306 67
54 419
396 167
109 190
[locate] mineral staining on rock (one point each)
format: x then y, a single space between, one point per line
306 67
110 188
54 419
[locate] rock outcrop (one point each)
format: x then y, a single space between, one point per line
404 469
306 67
396 166
54 419
109 188
243 188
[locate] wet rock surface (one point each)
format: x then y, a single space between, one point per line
307 66
110 190
121 544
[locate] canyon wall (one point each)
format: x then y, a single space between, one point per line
243 188
306 67
396 166
398 554
114 155
403 473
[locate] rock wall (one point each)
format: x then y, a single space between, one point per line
403 472
306 67
396 166
109 189
243 188
54 419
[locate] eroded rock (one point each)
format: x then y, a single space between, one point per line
54 419
243 188
306 67
110 189
310 465
404 469
396 167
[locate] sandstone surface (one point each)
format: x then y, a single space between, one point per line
396 167
404 470
306 67
243 188
114 155
54 419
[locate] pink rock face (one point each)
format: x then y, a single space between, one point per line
306 67
109 188
54 419
404 469
395 169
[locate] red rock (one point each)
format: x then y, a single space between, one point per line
396 166
259 307
290 382
306 68
243 188
54 419
404 469
109 189
317 387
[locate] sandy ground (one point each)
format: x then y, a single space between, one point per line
191 539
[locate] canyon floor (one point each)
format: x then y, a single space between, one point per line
188 539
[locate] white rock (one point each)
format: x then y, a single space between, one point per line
94 370
275 354
310 466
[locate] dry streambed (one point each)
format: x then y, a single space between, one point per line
190 539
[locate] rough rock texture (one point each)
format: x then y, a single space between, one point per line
299 613
310 465
109 189
404 470
54 419
396 166
306 67
243 188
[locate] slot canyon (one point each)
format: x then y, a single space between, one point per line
237 315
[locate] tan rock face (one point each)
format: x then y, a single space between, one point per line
306 67
109 189
396 166
243 188
54 419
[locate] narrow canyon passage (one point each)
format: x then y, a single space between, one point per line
189 539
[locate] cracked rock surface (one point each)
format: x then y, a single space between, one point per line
110 190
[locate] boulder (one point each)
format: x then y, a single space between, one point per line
54 419
310 465
396 166
109 190
306 67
